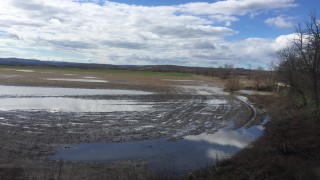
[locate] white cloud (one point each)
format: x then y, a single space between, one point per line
236 7
280 22
108 32
284 41
228 20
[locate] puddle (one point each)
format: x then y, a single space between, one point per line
144 127
47 72
60 104
243 98
50 91
253 92
89 77
132 121
181 80
77 80
6 124
25 70
205 90
216 102
182 156
8 76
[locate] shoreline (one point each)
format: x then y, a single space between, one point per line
289 148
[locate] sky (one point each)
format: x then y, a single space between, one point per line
245 33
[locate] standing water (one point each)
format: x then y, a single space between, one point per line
179 157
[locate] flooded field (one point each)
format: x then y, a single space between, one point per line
183 125
178 157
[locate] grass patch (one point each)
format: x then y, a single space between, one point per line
104 71
141 73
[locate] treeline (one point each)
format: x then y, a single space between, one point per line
299 65
224 71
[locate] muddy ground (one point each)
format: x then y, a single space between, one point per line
178 107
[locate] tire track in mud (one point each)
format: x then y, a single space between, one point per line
170 116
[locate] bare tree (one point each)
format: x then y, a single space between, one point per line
249 68
258 77
300 63
308 46
227 70
289 73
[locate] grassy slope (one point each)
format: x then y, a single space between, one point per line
290 148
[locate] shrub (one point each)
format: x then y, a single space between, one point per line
233 85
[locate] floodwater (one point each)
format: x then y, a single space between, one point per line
19 91
128 115
61 104
52 100
182 80
9 76
205 90
178 157
85 79
25 70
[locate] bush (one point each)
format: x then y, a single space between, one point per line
233 85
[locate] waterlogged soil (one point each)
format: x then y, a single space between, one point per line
35 125
157 116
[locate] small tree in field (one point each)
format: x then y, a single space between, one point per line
258 77
226 70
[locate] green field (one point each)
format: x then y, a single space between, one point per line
104 71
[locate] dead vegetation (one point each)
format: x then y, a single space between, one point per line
290 148
233 85
59 170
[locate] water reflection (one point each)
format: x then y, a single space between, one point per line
25 70
53 91
85 79
205 90
185 155
216 101
61 104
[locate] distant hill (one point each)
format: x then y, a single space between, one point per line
33 62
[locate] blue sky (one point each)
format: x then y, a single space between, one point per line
178 32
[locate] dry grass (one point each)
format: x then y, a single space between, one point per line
58 170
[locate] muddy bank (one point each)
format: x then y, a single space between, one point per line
289 148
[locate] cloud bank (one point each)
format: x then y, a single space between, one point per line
192 34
